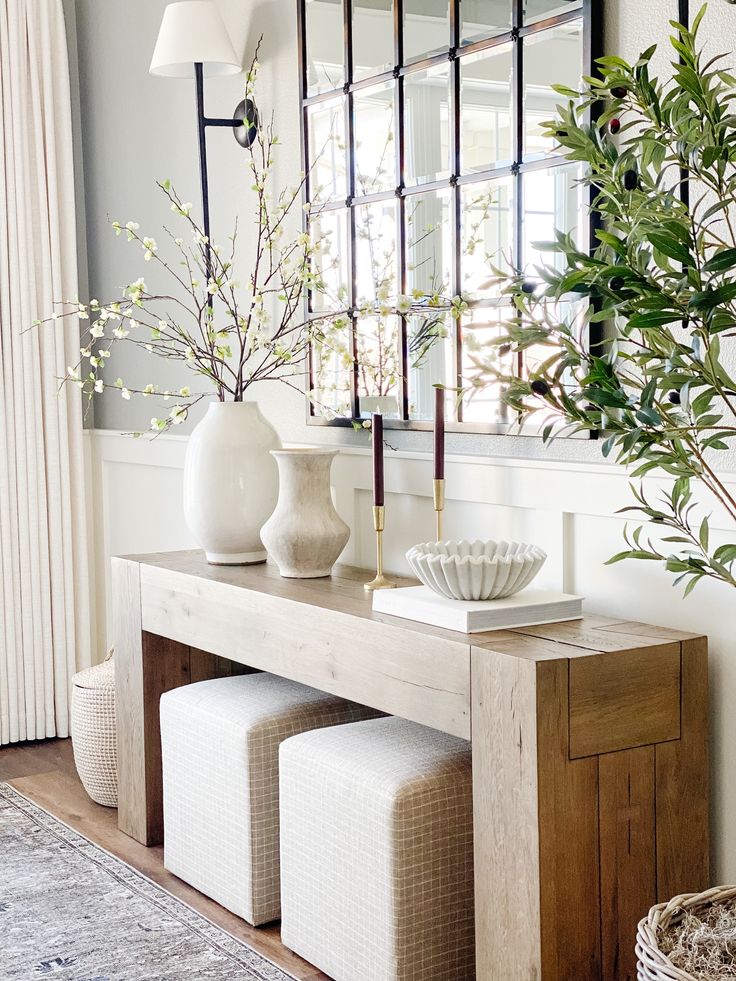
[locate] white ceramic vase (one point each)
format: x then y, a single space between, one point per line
305 534
230 482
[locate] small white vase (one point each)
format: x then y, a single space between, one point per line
230 482
305 534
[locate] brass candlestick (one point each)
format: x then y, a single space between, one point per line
439 504
380 582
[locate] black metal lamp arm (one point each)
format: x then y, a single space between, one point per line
244 124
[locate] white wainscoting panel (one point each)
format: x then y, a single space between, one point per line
569 510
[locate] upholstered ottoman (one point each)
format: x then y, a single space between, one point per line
220 742
377 852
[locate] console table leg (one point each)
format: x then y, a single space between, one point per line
145 667
507 910
536 826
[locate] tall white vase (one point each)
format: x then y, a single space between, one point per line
230 482
305 534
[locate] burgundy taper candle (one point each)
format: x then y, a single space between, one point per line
439 434
377 430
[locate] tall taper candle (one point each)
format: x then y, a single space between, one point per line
377 430
439 434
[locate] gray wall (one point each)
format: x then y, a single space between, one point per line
137 128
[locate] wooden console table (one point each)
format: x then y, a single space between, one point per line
590 755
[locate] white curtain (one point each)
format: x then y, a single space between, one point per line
44 594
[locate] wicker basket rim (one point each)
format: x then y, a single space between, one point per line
652 961
98 676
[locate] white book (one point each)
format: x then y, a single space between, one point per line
525 609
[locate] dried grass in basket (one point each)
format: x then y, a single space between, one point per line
687 940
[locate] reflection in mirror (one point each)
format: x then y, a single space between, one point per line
485 123
484 402
328 174
571 313
484 18
329 235
375 150
379 365
376 254
427 124
428 245
426 28
552 57
373 37
431 362
324 29
332 370
553 201
487 235
536 10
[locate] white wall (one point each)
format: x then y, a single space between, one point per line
137 128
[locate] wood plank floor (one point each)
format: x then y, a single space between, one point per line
44 772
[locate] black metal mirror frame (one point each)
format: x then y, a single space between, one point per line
590 14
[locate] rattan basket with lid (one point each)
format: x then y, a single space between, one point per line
94 735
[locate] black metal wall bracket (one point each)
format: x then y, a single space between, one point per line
244 124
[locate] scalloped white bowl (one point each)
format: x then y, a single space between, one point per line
476 570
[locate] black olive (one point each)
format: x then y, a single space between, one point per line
528 287
618 92
614 126
616 283
674 398
631 180
540 387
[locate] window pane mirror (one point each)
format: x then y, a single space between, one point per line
427 165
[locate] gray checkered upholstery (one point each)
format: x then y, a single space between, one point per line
377 852
220 742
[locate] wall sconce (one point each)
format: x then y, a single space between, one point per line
193 42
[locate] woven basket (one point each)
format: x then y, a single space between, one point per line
94 735
653 964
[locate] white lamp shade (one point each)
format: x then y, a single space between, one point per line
193 31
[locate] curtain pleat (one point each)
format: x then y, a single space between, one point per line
44 599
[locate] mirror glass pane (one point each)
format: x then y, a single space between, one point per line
379 365
482 402
375 131
484 18
427 125
328 166
572 313
332 371
329 235
550 57
376 254
426 28
373 37
553 201
536 10
487 237
485 123
431 362
428 246
325 33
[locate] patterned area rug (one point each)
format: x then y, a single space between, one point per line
70 911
